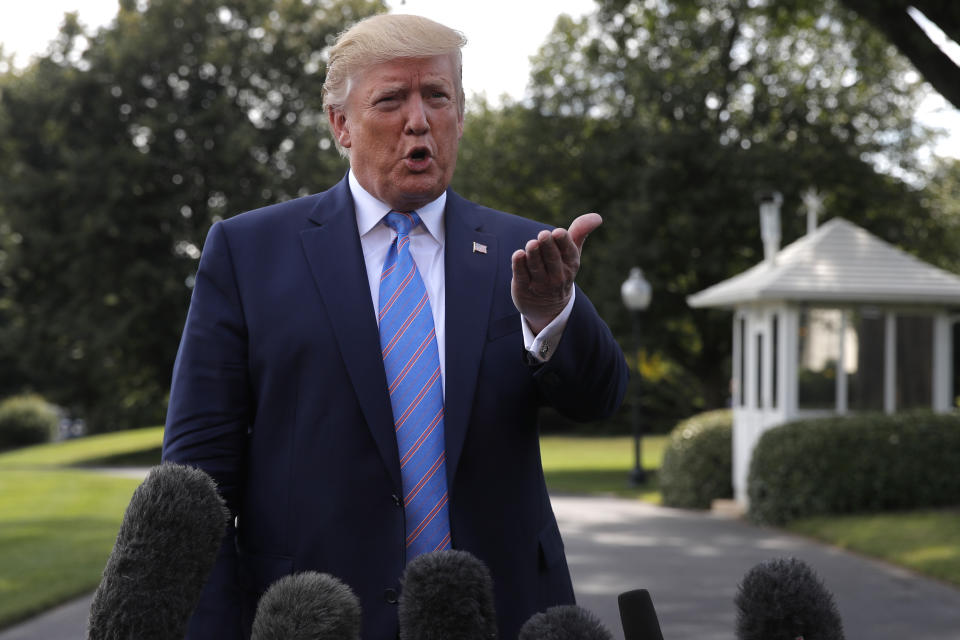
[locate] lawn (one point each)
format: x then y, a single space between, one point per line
57 524
600 465
109 449
56 531
927 541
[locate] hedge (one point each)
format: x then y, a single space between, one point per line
25 420
697 464
847 464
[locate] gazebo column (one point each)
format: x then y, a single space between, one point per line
890 363
738 387
942 362
748 414
766 368
841 400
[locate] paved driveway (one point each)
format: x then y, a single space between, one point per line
692 563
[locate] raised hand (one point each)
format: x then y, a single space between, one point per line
544 270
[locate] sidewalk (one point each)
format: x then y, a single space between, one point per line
691 563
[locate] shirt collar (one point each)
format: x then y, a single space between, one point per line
371 211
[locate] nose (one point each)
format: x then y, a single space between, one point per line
416 123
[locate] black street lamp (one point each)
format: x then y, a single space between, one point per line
636 293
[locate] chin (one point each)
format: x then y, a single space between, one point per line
420 192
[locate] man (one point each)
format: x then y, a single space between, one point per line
338 455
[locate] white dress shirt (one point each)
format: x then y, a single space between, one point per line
426 247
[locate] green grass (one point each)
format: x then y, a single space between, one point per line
927 541
57 526
590 465
56 531
88 451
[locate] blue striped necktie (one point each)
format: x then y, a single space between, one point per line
411 360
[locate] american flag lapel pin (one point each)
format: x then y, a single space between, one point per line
479 248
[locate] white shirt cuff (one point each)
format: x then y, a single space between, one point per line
542 346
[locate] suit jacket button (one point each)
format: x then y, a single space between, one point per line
390 595
396 499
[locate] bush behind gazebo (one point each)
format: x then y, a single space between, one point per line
856 463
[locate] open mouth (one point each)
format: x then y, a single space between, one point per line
419 154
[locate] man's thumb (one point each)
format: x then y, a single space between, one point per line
582 227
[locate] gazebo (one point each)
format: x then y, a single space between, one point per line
837 322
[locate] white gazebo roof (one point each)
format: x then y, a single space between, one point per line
839 262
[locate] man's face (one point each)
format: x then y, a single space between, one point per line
402 125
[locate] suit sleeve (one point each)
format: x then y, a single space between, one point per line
586 378
209 414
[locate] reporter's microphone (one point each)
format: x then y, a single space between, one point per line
564 622
447 595
784 598
165 550
638 616
307 606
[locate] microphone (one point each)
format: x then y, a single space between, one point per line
165 549
447 595
784 598
307 606
638 616
564 622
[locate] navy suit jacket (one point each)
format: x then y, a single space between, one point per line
279 393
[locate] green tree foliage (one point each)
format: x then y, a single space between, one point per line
669 117
119 148
893 18
115 160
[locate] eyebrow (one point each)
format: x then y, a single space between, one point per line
427 80
398 86
438 83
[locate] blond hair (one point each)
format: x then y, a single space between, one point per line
383 38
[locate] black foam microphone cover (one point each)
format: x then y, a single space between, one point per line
307 606
165 550
564 622
638 616
784 598
447 595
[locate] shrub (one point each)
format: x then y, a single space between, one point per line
698 461
25 420
867 462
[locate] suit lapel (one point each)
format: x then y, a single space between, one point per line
470 264
332 249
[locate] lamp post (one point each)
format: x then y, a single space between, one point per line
636 293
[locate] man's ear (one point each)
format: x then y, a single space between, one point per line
340 126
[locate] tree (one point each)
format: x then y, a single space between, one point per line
892 17
115 161
669 117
